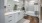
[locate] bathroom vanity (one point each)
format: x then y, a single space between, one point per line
7 12
13 17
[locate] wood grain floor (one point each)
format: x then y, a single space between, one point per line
29 19
32 19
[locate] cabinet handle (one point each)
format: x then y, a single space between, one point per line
19 13
10 16
9 20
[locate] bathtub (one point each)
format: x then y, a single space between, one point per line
31 13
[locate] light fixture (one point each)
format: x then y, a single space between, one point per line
16 0
32 1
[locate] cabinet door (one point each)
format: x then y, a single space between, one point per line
11 18
6 19
20 15
16 17
11 21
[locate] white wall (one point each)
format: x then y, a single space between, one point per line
29 6
2 18
10 5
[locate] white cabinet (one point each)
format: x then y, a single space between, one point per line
9 18
16 17
20 15
13 17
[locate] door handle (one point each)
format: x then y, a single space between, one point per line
10 16
9 20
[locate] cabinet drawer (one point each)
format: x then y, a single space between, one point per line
16 17
11 16
11 21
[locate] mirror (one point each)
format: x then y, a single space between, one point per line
13 5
